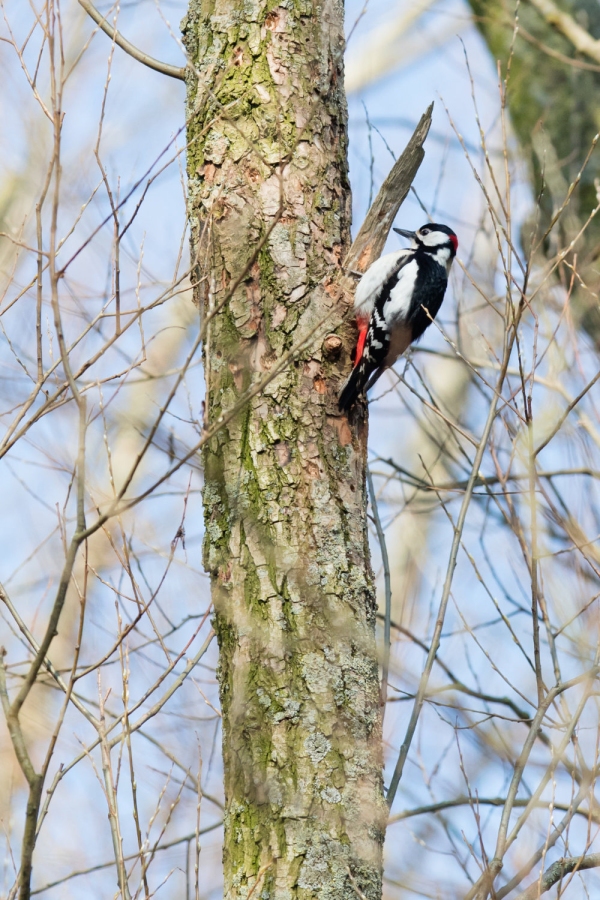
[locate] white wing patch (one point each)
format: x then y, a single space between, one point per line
397 306
370 285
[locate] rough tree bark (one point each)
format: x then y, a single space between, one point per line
286 541
285 495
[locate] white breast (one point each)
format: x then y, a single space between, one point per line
397 306
371 284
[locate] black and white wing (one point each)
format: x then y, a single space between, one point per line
390 308
375 279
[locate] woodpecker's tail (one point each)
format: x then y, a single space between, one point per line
354 385
362 378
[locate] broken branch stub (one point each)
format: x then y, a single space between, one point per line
372 236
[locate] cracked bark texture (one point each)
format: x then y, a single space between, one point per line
285 503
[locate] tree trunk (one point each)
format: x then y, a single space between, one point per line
285 503
554 110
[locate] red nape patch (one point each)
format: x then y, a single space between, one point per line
454 241
362 336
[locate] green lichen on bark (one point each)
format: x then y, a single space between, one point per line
286 542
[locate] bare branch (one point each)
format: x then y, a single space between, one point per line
167 845
388 591
449 576
158 66
557 871
581 39
441 805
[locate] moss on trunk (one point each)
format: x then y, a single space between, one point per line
285 505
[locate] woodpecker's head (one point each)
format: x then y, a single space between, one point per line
432 238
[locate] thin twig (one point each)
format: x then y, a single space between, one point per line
387 630
418 704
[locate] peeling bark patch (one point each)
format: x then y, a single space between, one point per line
341 426
365 260
272 20
279 315
238 377
283 452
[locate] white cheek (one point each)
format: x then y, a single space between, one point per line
435 239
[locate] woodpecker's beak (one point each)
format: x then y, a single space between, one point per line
411 235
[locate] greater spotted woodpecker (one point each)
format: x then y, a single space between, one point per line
395 301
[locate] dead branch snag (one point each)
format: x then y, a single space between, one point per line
371 238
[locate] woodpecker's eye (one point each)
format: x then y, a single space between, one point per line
425 230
